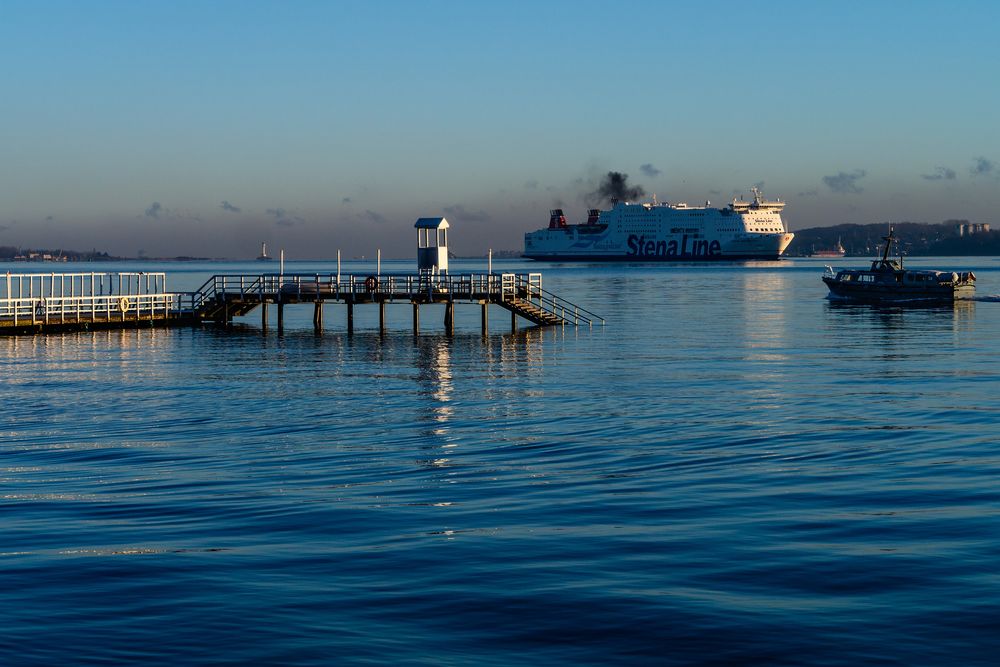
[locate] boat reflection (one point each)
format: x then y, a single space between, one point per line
896 320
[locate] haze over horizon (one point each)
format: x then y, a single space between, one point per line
203 129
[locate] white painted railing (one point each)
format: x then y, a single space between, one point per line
50 298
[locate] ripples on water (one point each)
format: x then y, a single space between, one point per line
733 470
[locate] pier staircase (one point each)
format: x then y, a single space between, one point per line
524 296
533 313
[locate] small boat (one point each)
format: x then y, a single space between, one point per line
888 281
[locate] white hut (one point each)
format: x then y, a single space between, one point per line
432 245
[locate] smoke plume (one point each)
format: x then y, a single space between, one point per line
615 186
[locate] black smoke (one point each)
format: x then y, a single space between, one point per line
615 186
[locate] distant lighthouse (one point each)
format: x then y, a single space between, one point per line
263 257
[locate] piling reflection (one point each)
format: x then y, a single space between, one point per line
435 383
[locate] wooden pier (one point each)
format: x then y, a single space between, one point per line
50 302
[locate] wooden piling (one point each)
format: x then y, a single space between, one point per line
263 315
318 316
486 318
381 317
281 316
449 318
350 317
416 318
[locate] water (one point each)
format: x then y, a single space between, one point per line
734 469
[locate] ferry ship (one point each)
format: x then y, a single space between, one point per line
665 232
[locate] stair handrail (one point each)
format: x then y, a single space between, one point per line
555 299
552 303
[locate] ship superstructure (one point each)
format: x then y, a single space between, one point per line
665 232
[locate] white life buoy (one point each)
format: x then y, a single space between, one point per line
124 304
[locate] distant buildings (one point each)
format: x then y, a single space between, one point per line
969 228
40 257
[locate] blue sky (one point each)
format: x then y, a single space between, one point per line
205 128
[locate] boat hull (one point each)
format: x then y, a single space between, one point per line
876 293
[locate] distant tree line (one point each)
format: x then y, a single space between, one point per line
9 253
915 238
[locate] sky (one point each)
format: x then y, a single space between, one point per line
206 128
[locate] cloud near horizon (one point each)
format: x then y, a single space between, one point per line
844 183
154 210
940 174
232 208
982 167
459 213
650 170
375 217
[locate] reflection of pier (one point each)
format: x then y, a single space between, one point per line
37 303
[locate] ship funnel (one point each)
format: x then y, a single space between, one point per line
556 219
614 202
593 215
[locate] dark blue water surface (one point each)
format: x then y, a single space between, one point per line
733 469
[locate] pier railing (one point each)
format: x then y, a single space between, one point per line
62 298
66 309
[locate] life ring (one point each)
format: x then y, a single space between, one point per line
371 283
124 304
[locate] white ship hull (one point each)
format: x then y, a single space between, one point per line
665 232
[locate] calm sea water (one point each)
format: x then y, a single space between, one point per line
732 470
